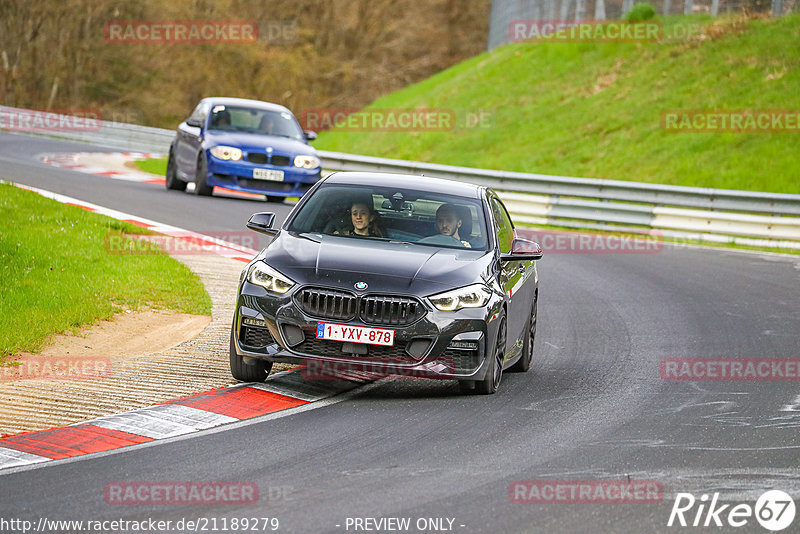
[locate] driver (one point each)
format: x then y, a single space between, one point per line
448 222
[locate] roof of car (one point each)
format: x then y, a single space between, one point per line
228 101
408 181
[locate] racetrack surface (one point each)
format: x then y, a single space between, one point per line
593 407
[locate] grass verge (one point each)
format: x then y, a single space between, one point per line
58 275
594 109
152 165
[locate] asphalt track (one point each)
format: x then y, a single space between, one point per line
593 407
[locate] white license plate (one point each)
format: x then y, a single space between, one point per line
355 334
268 174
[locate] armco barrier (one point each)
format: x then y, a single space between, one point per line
721 215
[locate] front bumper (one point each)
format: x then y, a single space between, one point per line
444 345
238 176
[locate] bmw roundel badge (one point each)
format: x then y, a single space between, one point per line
361 286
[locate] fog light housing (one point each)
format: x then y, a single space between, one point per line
463 345
251 321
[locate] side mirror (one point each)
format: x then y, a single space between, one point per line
262 223
191 121
310 136
523 249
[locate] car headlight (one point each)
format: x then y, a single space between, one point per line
226 152
306 162
473 296
265 276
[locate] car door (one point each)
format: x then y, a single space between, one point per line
189 140
513 275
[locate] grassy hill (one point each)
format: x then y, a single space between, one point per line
594 109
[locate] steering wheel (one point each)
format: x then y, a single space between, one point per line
446 240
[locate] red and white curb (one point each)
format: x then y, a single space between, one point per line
202 411
198 412
191 240
114 165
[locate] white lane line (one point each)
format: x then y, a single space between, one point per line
226 249
793 407
14 458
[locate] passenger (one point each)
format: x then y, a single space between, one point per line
448 222
365 221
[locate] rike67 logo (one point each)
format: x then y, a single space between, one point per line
774 510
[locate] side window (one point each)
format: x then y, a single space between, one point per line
200 112
505 229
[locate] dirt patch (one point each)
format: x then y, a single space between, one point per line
129 334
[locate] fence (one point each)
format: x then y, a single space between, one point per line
720 215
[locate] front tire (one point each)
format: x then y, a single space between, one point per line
173 182
524 362
494 374
201 186
248 372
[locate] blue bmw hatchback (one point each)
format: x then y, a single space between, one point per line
243 145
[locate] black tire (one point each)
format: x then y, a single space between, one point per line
277 200
173 182
524 362
201 186
248 372
494 374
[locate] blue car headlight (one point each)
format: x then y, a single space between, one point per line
226 153
307 162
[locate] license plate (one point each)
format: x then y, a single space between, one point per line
268 174
355 334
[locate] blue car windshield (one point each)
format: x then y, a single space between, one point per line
254 120
393 214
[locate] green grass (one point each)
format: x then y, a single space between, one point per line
56 274
153 165
593 109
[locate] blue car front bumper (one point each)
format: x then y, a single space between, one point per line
238 176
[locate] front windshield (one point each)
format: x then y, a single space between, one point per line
393 214
254 120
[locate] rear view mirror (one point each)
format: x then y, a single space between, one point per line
194 122
310 136
262 223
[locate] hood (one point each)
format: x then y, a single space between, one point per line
401 268
257 142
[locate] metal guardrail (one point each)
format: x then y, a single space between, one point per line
745 217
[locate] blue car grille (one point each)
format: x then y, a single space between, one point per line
261 158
